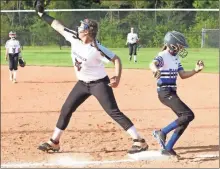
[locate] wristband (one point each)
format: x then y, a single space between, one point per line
47 18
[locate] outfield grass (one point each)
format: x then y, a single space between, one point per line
53 56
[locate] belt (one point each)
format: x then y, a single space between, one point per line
95 81
13 53
166 89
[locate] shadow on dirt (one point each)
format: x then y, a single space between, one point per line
199 149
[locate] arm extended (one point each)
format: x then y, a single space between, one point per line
55 24
186 74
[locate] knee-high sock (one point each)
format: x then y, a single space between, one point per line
172 141
170 127
57 134
14 74
133 133
135 58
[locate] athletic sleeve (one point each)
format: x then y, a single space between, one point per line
107 55
160 61
180 67
70 35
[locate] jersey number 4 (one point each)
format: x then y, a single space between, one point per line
78 64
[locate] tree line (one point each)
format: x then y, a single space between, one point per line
113 26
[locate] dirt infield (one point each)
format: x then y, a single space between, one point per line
30 109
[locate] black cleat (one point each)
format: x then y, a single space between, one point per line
138 146
160 137
49 146
169 152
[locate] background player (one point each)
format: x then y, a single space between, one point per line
88 56
132 40
166 66
12 53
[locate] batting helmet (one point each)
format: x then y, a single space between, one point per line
176 42
21 62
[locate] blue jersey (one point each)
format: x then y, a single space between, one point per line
169 66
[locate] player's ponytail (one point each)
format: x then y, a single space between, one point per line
93 30
96 46
164 48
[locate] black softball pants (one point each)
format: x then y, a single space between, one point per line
133 49
13 61
169 97
102 92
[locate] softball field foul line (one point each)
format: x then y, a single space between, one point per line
70 163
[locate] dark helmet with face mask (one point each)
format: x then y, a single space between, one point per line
176 42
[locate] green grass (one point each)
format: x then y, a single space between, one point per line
53 56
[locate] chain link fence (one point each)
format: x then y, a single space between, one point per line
114 26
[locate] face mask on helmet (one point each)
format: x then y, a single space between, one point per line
178 50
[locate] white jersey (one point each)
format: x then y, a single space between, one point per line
132 38
87 60
13 46
169 66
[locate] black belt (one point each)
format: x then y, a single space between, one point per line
13 54
95 81
166 89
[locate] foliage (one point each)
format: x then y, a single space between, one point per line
114 26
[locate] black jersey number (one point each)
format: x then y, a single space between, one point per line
78 64
13 50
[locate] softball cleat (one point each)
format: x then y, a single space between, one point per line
139 145
170 153
160 137
49 146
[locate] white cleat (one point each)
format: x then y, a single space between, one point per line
14 81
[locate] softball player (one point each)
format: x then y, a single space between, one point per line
88 56
166 66
13 52
132 40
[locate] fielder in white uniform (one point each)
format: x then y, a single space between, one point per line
13 52
88 57
132 40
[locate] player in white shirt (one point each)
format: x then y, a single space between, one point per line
88 56
132 40
12 54
166 66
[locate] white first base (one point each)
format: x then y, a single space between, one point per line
148 155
